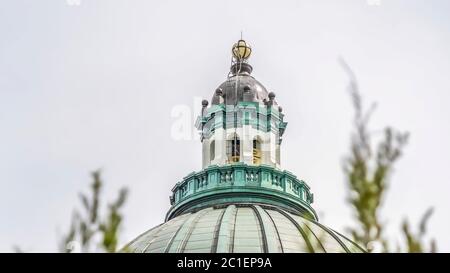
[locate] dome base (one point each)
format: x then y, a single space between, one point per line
240 182
241 228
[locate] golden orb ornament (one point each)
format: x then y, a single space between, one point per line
241 50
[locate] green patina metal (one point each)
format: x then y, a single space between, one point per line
237 228
237 207
224 116
241 183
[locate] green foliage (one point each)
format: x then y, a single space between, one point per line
414 242
110 227
367 170
89 224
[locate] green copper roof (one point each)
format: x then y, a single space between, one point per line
241 228
241 183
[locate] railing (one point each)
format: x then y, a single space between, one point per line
240 177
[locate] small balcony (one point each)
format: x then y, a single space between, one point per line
240 182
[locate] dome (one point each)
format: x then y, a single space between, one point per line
241 200
240 86
240 228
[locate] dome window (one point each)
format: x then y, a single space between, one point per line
256 151
234 149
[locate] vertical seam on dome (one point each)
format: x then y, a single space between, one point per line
302 232
183 243
226 229
276 230
233 232
151 241
263 231
124 249
216 231
333 235
318 240
169 245
156 236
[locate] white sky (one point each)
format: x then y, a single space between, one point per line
92 86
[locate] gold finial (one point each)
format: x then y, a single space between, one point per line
241 50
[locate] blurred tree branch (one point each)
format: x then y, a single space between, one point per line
367 171
414 242
85 226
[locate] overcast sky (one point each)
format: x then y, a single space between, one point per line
93 85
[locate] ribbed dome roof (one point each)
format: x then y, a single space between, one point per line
241 228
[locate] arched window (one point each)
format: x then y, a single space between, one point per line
212 150
234 149
256 151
